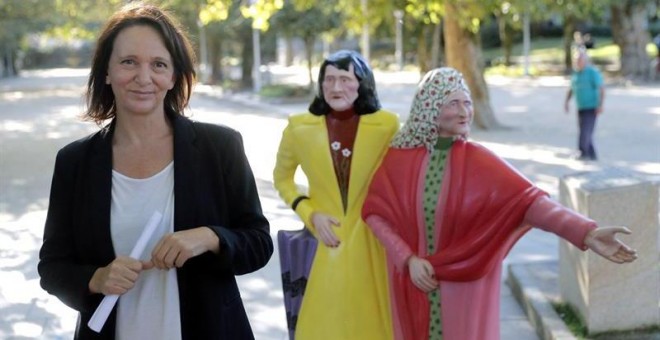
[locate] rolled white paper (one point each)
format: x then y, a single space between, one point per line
102 312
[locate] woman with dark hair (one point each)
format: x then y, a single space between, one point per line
448 211
338 144
150 160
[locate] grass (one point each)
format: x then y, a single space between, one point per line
571 319
547 56
580 331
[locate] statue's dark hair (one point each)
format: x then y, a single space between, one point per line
367 100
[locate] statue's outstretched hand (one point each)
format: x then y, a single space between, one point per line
603 242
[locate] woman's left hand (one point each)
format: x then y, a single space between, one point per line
173 250
603 242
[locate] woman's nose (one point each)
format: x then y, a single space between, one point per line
143 75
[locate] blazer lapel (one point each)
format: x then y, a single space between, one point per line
317 153
368 149
186 172
99 193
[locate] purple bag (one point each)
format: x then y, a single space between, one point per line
297 249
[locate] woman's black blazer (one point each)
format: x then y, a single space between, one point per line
213 186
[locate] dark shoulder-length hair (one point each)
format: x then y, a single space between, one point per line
100 98
367 100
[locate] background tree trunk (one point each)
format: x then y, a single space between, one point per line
215 56
463 52
289 51
569 30
505 32
436 46
309 55
629 31
423 57
247 56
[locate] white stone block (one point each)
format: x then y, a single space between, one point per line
610 296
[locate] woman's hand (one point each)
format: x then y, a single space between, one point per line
173 250
603 242
323 224
422 274
118 277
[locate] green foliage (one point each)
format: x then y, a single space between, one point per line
260 11
213 11
577 327
571 319
305 21
425 11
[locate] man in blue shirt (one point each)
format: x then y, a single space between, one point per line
587 86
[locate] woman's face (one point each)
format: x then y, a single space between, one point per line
455 115
340 87
140 71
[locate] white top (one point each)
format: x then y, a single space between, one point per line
150 310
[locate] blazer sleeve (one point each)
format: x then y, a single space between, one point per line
246 241
283 175
63 273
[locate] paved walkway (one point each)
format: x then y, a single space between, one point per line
37 113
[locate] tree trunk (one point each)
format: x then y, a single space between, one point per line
247 57
288 55
505 32
215 55
309 54
629 31
463 52
436 50
423 51
569 30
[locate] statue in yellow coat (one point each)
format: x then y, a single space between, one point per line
339 144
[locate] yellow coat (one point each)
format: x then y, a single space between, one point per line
347 291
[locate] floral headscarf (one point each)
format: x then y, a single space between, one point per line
421 128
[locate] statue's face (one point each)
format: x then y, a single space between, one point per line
340 87
455 115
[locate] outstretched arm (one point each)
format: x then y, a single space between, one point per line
582 232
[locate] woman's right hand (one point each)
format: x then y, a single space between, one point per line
118 277
422 274
323 224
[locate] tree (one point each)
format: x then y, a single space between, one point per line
424 18
463 52
509 22
308 22
231 35
573 12
629 22
63 19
